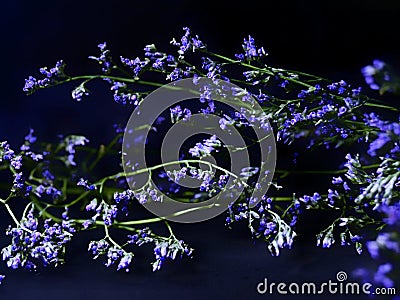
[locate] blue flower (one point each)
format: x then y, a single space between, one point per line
79 92
204 149
188 42
84 183
52 76
392 214
70 143
125 262
104 59
376 75
381 275
30 246
337 180
30 138
251 52
92 205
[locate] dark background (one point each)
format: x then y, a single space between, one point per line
330 38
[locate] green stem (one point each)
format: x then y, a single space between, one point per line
391 108
276 72
286 173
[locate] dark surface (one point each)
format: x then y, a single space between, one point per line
333 39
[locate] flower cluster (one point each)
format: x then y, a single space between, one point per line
206 148
114 254
33 243
168 249
251 52
385 249
177 114
70 143
106 211
380 76
86 185
50 77
104 59
15 159
188 42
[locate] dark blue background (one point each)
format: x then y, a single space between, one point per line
331 38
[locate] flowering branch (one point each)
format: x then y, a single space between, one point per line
299 106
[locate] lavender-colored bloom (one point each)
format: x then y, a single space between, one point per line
188 42
109 214
375 74
30 138
337 180
311 199
342 110
124 199
251 52
16 162
136 64
327 240
28 248
24 147
378 143
18 182
346 186
381 275
177 113
50 77
53 192
71 142
373 249
92 205
84 183
86 224
98 247
125 262
267 227
204 149
79 92
392 214
48 175
31 85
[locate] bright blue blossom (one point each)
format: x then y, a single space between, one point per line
251 52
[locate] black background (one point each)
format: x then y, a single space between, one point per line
330 38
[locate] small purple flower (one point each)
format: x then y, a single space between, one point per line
30 138
342 111
125 262
104 59
71 142
92 205
84 183
381 275
251 52
16 162
205 148
337 180
188 42
375 74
